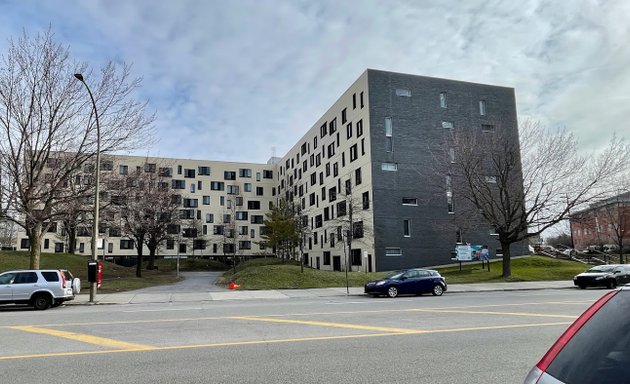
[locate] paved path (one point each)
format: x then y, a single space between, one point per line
199 286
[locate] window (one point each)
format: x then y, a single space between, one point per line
354 153
335 169
209 218
487 128
259 191
253 204
332 194
393 251
178 184
238 201
361 99
189 173
357 230
359 128
229 175
447 124
257 219
403 92
245 244
165 172
332 126
179 169
233 190
267 174
327 169
192 187
443 100
126 244
331 150
203 171
482 107
241 215
388 126
357 177
107 165
491 179
149 168
392 167
217 230
190 203
326 257
247 187
341 208
407 228
217 185
323 131
409 201
366 200
245 173
123 169
344 116
206 200
349 131
451 154
449 201
318 221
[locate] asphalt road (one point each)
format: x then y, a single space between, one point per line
457 338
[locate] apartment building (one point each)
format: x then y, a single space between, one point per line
369 156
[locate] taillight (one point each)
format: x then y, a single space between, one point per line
572 330
63 279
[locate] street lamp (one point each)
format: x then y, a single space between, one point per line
97 183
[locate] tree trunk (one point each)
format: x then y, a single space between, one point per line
152 251
139 258
35 240
507 267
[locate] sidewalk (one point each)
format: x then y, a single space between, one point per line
184 297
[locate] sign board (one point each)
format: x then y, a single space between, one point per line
464 252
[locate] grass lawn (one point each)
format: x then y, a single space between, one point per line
116 278
533 268
273 274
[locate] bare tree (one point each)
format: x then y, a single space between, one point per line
617 213
143 204
48 128
520 191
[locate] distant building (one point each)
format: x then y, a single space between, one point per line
602 223
370 153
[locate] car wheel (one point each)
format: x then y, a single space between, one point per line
582 286
41 301
392 292
612 284
438 290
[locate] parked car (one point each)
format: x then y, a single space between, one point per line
594 349
610 275
39 288
413 281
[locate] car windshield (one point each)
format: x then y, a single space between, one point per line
601 268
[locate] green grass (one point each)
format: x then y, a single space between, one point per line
534 268
273 274
116 278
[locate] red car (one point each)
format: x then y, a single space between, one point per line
594 349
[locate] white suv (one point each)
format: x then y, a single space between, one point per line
41 288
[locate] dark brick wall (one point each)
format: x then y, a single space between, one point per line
417 131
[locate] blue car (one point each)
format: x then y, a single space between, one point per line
412 281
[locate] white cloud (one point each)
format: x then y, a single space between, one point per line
231 80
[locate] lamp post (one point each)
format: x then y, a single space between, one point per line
97 184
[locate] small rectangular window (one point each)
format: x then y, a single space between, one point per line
344 116
487 128
447 124
482 107
393 251
443 100
389 167
491 179
409 201
388 126
403 92
407 228
361 99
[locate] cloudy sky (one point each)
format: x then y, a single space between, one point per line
235 80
